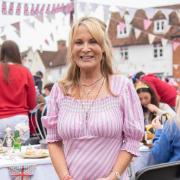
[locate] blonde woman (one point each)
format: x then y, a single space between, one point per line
95 114
166 144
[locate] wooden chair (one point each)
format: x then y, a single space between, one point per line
164 171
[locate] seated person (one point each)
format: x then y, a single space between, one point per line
151 106
166 144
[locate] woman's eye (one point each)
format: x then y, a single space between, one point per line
78 42
93 41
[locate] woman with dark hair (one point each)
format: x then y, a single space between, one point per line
17 95
150 104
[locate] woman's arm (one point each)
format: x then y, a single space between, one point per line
58 160
121 164
161 149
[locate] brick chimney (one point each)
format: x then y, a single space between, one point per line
61 44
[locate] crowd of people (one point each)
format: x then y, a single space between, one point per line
95 119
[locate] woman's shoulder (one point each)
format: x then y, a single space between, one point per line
119 82
57 90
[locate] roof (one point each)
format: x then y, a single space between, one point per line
53 59
137 22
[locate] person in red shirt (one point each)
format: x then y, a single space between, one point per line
165 92
17 88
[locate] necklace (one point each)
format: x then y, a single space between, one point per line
90 90
91 105
89 85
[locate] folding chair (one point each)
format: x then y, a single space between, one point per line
40 131
164 171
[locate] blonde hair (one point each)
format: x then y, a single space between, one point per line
98 30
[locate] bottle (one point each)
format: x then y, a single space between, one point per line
17 140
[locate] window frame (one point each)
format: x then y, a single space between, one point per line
158 51
124 53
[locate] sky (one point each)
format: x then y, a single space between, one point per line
60 25
136 3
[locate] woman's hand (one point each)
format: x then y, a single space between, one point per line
152 108
156 123
67 177
110 177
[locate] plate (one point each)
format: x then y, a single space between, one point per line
36 154
144 148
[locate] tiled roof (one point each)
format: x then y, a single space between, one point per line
137 22
52 59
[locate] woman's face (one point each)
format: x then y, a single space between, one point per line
145 98
86 52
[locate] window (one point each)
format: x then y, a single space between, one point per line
123 31
158 51
159 26
124 53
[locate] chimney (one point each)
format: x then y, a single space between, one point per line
61 44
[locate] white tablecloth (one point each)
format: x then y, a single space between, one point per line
139 162
43 169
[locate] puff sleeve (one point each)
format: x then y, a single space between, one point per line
133 119
51 119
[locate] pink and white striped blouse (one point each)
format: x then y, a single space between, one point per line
92 147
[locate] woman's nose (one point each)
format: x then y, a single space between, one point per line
86 47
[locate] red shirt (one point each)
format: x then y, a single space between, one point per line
165 92
19 96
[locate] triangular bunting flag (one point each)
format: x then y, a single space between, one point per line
167 27
147 23
46 41
18 9
175 66
18 33
178 14
164 41
151 38
175 45
137 32
4 37
29 23
11 8
16 26
1 29
52 36
121 26
40 18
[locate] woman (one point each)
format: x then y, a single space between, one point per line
166 144
95 114
17 95
151 106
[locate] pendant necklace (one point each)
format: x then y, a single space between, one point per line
91 105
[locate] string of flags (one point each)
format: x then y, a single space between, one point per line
34 9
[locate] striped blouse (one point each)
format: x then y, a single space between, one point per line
91 146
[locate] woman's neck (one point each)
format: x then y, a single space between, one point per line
89 77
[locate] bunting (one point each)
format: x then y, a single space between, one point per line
137 32
175 45
34 9
151 38
164 41
121 26
147 23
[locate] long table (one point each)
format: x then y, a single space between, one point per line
41 168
